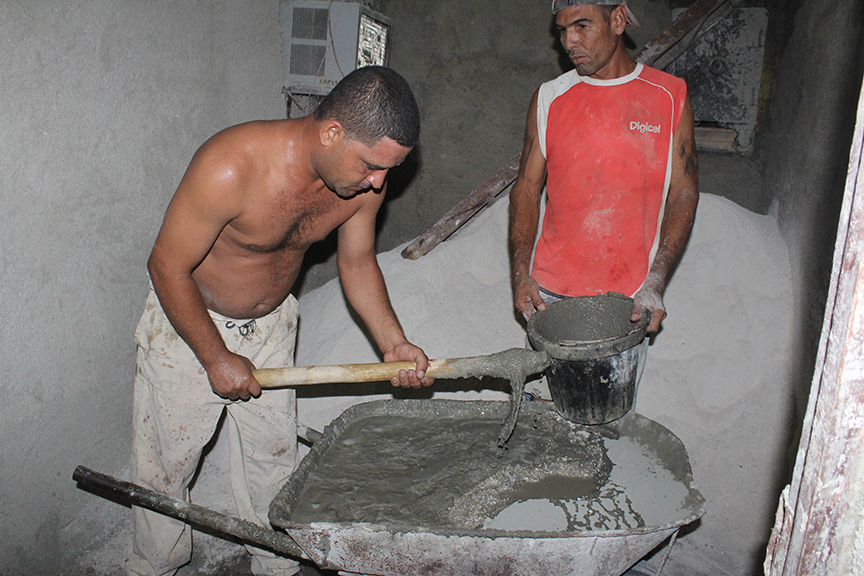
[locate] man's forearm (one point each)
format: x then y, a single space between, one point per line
683 197
522 231
366 291
676 229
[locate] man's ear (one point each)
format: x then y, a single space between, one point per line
331 133
618 19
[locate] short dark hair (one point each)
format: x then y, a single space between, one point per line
606 11
373 102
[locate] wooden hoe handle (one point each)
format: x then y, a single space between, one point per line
302 375
505 364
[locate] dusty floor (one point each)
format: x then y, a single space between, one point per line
236 564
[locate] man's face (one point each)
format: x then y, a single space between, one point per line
590 41
357 167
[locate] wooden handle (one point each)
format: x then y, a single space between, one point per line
505 364
302 375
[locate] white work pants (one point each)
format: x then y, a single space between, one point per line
175 414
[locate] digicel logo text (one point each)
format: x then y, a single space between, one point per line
641 127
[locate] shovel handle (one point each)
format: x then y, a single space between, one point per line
504 364
339 373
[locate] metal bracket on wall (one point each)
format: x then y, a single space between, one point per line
298 105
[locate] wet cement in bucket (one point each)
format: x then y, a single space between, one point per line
587 327
409 469
595 355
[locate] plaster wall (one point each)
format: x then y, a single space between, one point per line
104 104
805 152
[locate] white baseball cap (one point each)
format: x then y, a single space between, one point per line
561 4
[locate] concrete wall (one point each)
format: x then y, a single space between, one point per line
806 153
104 104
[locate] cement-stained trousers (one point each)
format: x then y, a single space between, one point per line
175 414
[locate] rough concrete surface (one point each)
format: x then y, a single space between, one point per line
105 103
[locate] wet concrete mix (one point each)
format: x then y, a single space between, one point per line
444 469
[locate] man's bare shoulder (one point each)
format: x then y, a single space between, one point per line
251 136
239 152
257 128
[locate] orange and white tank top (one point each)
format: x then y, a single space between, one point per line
608 150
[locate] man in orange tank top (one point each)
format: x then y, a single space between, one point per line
612 140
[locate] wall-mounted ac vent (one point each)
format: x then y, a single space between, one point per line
322 41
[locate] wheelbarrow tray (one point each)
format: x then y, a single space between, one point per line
398 547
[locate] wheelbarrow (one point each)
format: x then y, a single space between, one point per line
417 487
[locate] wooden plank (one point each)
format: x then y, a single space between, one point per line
819 515
713 139
681 27
701 28
464 210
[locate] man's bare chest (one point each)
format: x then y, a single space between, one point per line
289 224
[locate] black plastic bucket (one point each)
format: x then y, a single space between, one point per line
594 355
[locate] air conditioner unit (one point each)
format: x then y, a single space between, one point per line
322 41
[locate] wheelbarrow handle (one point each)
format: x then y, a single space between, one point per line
246 531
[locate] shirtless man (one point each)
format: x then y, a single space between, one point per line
253 199
612 141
